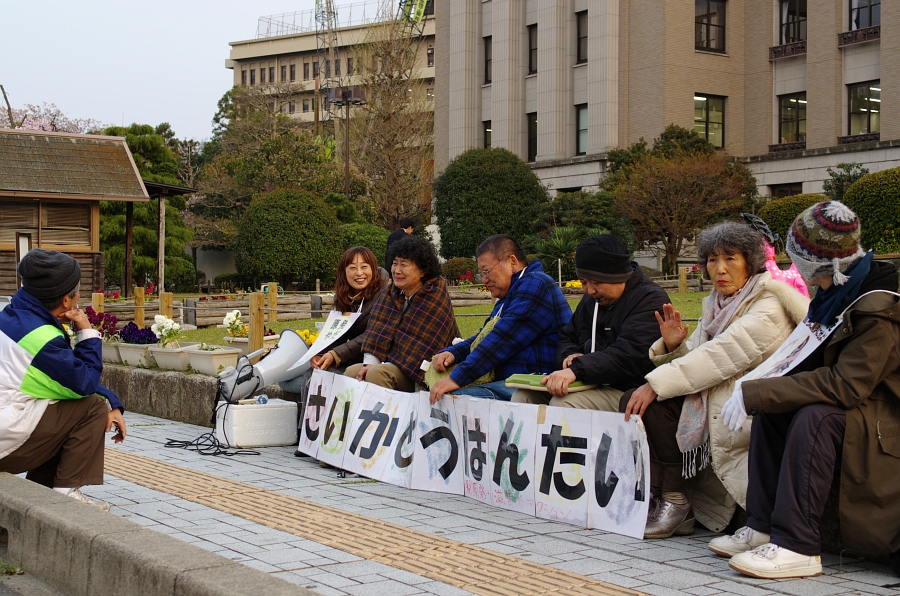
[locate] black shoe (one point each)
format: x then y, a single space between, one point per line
299 453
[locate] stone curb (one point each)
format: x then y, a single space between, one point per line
82 551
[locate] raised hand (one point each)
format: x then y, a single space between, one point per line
673 331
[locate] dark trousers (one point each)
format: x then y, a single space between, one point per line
666 460
793 458
66 448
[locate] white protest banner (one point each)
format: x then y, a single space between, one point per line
313 416
437 466
341 408
619 495
398 470
374 431
513 429
561 465
335 326
804 340
473 418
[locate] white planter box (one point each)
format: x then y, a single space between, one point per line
111 352
172 358
243 343
257 425
212 362
135 354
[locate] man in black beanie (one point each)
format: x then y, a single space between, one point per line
608 340
53 410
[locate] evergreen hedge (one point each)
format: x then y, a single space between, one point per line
781 213
876 199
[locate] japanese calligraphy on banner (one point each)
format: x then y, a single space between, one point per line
586 469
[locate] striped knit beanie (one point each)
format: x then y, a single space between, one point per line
824 240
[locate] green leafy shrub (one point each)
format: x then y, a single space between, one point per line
483 192
781 213
455 267
364 234
876 199
288 234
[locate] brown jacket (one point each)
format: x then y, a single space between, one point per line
862 375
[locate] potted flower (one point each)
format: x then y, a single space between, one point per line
211 360
135 343
238 333
169 354
106 323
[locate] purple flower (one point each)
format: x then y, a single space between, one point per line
132 334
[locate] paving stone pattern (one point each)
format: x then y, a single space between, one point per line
675 566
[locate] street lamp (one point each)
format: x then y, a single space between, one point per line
345 97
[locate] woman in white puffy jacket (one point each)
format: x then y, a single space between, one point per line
697 465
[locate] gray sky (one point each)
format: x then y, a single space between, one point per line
146 62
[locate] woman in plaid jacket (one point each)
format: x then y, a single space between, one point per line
410 321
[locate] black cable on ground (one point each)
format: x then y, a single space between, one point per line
207 443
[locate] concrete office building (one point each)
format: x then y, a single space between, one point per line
790 87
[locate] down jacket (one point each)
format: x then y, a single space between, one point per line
766 318
861 374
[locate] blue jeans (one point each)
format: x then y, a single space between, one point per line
495 390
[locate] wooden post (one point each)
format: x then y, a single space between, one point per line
318 289
97 301
165 304
139 307
129 238
161 247
273 302
257 321
682 279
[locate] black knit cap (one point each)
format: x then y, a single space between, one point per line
603 259
48 274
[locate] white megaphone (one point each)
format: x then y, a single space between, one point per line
235 384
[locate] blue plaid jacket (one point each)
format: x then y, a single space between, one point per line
524 339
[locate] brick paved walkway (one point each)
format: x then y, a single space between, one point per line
674 566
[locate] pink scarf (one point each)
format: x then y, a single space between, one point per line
693 425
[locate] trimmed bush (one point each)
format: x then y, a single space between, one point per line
781 213
483 192
454 268
286 235
876 199
365 234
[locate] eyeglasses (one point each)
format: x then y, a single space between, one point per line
487 272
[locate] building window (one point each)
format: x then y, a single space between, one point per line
284 107
349 66
709 118
864 13
243 77
793 21
328 69
487 59
779 191
252 76
306 71
271 74
272 106
581 26
293 72
532 136
429 94
283 73
337 67
486 129
581 136
792 117
262 76
292 107
305 105
532 49
709 25
316 68
865 108
430 55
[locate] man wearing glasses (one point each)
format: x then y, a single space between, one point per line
521 333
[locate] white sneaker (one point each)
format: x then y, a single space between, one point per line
770 561
743 540
76 494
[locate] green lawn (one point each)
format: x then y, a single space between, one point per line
688 303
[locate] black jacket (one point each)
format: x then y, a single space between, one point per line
625 332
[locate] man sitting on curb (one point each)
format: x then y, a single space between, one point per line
608 339
521 333
53 410
839 409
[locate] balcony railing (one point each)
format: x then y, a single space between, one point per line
849 38
788 50
863 138
782 147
